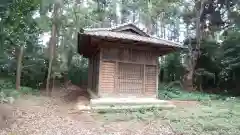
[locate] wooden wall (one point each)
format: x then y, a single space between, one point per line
128 72
129 56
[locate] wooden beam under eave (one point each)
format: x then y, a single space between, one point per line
130 46
165 52
117 43
90 47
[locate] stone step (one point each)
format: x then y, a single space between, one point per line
130 108
125 101
120 108
122 104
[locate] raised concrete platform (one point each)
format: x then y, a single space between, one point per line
119 104
127 101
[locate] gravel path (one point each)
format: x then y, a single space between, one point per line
44 116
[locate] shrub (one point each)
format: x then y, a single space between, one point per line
8 93
28 90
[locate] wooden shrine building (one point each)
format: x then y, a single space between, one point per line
123 61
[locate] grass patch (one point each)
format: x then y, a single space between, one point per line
176 93
215 117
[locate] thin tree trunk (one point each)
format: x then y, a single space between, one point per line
49 68
188 77
118 11
123 11
53 85
19 68
134 16
198 24
52 46
188 82
149 20
101 13
201 84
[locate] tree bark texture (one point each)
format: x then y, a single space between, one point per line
52 46
194 51
149 19
19 67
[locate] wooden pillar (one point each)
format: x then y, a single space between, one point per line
144 78
90 73
157 76
116 80
94 73
100 73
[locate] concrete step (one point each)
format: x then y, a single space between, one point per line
130 108
120 108
126 101
123 104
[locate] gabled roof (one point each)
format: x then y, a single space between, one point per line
126 32
121 28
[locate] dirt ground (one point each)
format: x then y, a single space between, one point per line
41 115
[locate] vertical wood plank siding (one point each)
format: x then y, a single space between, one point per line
107 82
150 84
130 78
127 72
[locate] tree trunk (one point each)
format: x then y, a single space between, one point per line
123 11
199 9
118 11
52 46
194 52
134 16
149 19
188 82
201 83
19 68
49 68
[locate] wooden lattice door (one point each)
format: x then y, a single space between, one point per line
130 78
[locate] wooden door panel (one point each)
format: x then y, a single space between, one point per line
130 78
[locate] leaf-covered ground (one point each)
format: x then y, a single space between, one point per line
40 115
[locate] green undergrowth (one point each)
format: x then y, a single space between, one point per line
8 93
212 117
215 117
176 93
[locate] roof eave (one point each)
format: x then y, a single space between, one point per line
161 42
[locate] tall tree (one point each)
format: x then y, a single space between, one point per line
53 42
195 51
19 67
208 17
19 31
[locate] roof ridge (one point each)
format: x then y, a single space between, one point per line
110 28
119 28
